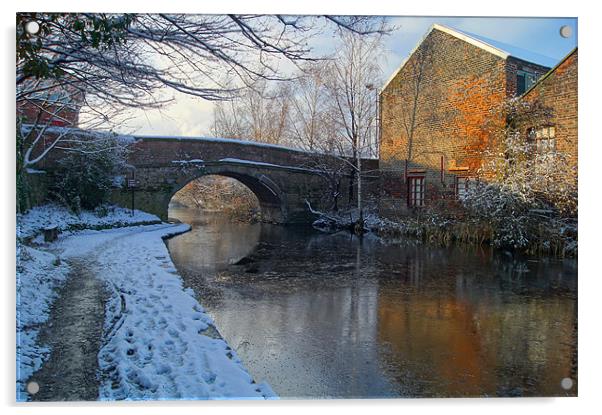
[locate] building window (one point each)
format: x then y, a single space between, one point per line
543 139
524 81
416 191
464 185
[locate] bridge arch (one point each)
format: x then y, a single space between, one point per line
270 196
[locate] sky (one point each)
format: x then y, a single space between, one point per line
191 116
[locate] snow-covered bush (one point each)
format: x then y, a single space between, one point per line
524 190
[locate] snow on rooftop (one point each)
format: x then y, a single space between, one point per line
508 49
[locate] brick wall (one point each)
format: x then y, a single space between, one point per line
558 92
153 159
30 112
513 65
54 105
436 114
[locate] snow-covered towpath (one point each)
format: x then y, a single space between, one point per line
157 341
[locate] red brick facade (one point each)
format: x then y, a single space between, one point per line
59 106
65 117
436 116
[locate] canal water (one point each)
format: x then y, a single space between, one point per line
331 316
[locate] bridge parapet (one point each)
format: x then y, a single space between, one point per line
155 150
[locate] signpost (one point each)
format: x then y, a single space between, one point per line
132 184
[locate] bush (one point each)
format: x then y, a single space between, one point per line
529 195
85 174
102 211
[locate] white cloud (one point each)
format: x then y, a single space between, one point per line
185 116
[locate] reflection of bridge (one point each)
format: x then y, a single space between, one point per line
282 178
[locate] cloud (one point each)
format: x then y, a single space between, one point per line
185 116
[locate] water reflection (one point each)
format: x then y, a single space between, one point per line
219 243
327 316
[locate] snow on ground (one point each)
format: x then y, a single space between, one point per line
39 274
158 342
40 217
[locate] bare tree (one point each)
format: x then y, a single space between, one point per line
111 62
227 121
353 107
124 58
310 128
333 112
259 113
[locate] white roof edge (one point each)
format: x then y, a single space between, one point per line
478 43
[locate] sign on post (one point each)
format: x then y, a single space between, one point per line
132 184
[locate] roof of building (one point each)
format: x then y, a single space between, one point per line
511 50
550 72
500 49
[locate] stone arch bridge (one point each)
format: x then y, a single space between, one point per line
282 178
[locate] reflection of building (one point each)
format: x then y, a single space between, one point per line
448 346
52 105
467 323
433 341
436 113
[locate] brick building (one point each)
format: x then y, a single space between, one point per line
436 114
557 91
51 105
